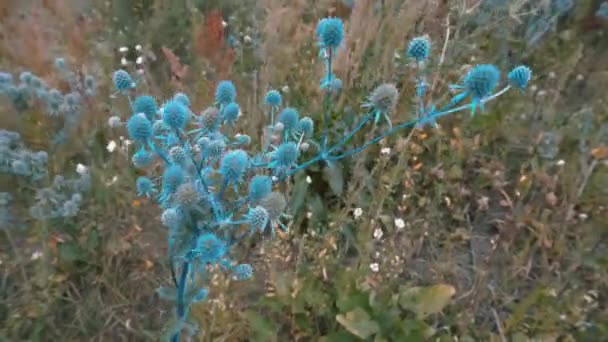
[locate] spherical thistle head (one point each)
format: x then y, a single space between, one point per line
144 186
171 218
384 98
72 100
26 77
289 118
175 115
231 112
114 121
177 155
142 159
258 218
419 49
173 177
139 128
242 139
183 99
122 80
147 105
242 272
209 118
187 195
331 32
481 80
234 165
259 187
275 204
286 154
225 92
519 77
89 82
6 79
216 148
273 98
306 126
210 248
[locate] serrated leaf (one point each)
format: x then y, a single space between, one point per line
335 177
358 323
167 293
425 301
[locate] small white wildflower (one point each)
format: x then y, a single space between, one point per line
127 142
552 74
112 181
358 212
81 169
385 150
111 146
378 234
309 215
279 127
247 39
140 71
583 216
561 162
123 49
36 255
285 89
139 60
399 223
304 146
374 267
308 180
224 23
580 77
123 61
275 178
138 47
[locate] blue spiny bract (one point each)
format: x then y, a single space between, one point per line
122 81
203 158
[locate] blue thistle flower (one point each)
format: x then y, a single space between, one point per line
26 77
6 80
173 177
54 100
480 82
242 272
142 159
275 204
306 126
209 118
242 140
122 80
225 92
258 219
60 64
177 155
73 101
383 100
519 77
273 98
231 113
419 49
144 186
183 99
210 248
171 218
259 187
147 105
602 11
175 115
187 195
233 166
331 32
285 155
289 118
139 128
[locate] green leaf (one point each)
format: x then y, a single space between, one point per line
263 329
425 301
70 252
93 240
335 177
358 323
167 293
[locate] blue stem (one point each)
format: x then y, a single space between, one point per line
327 103
181 304
413 123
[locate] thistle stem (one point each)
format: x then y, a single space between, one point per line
181 305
